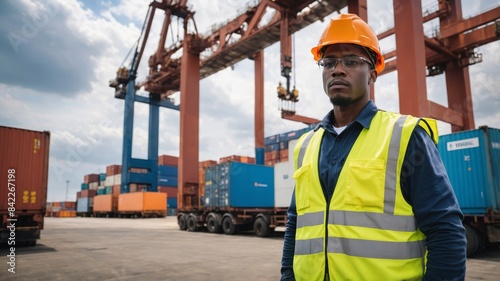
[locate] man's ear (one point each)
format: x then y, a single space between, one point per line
373 76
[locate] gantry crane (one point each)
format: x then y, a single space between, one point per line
245 36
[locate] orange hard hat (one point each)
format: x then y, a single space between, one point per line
350 29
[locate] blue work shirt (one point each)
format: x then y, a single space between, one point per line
425 186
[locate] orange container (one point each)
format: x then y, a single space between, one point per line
107 203
67 214
142 202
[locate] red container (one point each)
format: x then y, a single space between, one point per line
112 170
24 166
91 178
26 154
283 155
207 163
168 160
88 193
78 195
237 158
116 189
169 190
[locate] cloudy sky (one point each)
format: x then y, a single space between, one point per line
57 58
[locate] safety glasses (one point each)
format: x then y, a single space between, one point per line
349 62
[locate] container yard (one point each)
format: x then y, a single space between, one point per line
162 177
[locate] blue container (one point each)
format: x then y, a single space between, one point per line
167 181
209 198
272 139
472 161
272 147
101 191
286 137
171 211
239 185
172 203
85 186
167 171
84 205
102 177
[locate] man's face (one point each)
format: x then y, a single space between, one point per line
345 85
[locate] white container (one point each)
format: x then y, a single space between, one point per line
284 183
109 181
118 179
93 185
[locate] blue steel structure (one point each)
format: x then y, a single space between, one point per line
128 93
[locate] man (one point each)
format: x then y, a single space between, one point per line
372 199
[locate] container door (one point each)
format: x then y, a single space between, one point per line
465 156
494 146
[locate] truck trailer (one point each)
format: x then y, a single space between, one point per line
24 167
472 161
237 197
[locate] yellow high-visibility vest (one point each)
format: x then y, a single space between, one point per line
367 231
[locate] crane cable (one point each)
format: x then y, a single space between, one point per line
136 44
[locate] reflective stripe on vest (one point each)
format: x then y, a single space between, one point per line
386 221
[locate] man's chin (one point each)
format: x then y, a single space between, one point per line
341 101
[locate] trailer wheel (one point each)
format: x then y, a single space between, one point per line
228 226
261 228
182 221
472 241
213 223
192 224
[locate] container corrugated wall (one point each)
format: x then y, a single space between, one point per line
142 202
28 153
239 185
106 203
472 161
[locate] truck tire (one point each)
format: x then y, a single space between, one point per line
213 223
182 221
192 224
228 226
473 243
261 227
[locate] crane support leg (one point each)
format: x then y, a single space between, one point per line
411 50
457 81
128 133
189 129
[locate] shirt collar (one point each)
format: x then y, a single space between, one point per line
364 118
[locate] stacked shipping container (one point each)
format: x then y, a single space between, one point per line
61 209
276 146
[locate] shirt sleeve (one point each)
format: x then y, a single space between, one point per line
428 190
289 243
